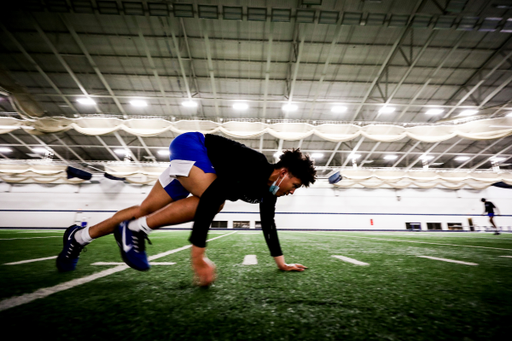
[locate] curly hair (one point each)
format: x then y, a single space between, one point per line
299 165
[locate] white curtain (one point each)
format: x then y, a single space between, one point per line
487 129
369 178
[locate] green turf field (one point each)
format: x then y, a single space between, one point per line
398 296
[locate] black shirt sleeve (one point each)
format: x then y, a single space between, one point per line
208 206
268 225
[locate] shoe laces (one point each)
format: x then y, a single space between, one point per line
138 241
74 250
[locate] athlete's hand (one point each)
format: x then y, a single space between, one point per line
204 271
293 267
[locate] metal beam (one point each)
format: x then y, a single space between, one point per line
39 69
107 148
481 152
353 151
63 62
497 154
406 154
210 66
422 155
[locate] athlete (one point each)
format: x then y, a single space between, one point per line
489 209
212 169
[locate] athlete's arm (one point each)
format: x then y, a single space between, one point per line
268 225
208 206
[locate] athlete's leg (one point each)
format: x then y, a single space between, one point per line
155 200
183 210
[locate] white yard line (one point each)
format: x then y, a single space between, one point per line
120 263
30 260
448 260
414 241
350 260
506 256
45 292
250 260
30 238
249 233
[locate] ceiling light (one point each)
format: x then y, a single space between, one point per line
289 107
354 156
164 152
462 158
121 152
434 111
40 150
390 157
426 157
338 109
240 106
86 101
509 114
5 150
468 112
386 110
138 103
497 159
317 156
277 154
189 104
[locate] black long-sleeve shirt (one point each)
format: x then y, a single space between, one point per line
242 173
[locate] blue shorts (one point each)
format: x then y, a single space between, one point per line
187 150
490 215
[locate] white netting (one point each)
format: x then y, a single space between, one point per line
487 129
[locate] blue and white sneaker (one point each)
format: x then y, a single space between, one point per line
68 257
132 246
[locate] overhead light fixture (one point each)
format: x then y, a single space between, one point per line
462 158
497 159
278 154
40 150
164 152
354 156
289 107
189 104
509 114
390 157
434 111
386 110
468 112
121 152
138 103
317 156
240 106
338 109
5 150
426 157
86 101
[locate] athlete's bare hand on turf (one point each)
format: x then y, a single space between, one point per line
204 271
294 267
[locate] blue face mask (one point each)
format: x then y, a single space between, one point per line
274 188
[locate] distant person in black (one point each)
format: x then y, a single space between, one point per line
213 169
489 209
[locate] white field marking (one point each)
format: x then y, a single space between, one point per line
30 238
30 260
249 233
37 231
418 242
119 263
448 260
350 260
45 292
250 260
506 256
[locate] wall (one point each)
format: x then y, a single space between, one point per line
318 207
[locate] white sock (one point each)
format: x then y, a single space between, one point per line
140 225
83 237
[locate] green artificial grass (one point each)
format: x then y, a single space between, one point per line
397 297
